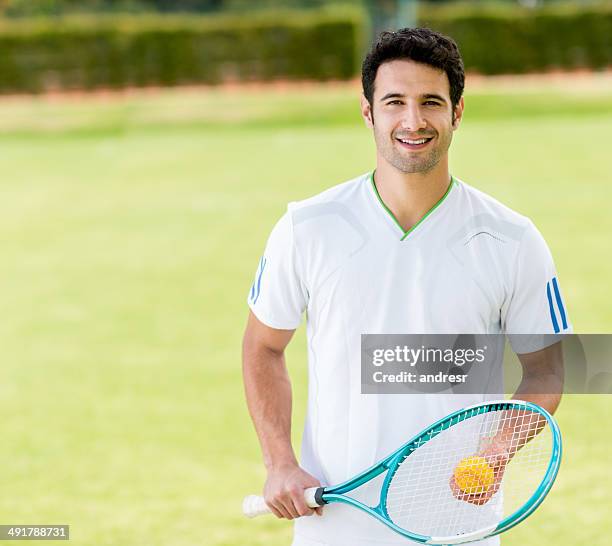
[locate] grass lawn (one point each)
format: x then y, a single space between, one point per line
132 227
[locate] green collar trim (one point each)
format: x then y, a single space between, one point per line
405 234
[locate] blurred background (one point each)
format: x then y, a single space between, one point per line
146 150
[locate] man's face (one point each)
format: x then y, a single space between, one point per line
411 115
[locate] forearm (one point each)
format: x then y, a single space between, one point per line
542 384
546 393
268 395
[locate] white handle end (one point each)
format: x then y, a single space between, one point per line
254 505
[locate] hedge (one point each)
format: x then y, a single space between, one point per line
117 52
500 40
152 50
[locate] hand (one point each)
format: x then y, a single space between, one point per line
284 491
497 456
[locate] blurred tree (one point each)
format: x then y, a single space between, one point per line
50 7
385 14
186 5
391 14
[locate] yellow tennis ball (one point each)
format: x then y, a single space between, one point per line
473 475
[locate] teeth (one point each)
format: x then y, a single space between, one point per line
414 142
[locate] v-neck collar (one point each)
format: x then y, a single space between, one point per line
405 234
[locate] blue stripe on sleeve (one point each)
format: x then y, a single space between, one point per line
252 295
261 270
559 302
551 308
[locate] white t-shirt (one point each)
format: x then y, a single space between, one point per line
471 265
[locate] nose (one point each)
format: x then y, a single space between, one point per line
412 118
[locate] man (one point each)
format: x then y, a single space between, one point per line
404 249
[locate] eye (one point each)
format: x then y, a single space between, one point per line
431 103
393 102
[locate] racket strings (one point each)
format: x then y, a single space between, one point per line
502 455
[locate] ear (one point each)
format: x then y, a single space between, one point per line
366 112
458 113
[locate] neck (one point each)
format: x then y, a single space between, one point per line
410 196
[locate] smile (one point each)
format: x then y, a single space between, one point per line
414 144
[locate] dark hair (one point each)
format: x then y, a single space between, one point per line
422 45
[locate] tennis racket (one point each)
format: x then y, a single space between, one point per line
475 473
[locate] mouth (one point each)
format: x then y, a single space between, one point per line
414 144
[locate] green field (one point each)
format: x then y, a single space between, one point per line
131 229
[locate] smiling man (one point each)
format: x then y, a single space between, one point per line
406 248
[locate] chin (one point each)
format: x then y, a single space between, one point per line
411 168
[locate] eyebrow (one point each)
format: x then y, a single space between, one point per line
401 96
392 96
434 96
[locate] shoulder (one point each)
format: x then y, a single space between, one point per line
331 222
500 235
346 193
327 213
480 210
333 213
481 203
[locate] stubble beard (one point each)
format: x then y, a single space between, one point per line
412 162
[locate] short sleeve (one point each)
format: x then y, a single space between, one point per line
278 296
535 305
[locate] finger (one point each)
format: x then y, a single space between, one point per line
278 510
457 492
482 498
290 506
297 496
472 499
277 506
319 511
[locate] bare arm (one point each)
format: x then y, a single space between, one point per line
542 384
542 381
268 389
268 394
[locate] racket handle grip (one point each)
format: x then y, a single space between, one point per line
254 505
